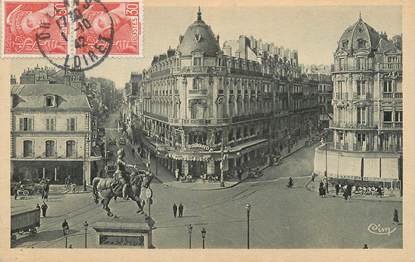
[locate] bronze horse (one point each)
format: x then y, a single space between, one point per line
103 187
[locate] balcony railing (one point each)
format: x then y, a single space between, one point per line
342 96
207 121
198 92
387 95
347 67
200 69
389 66
368 67
159 117
357 96
392 95
339 124
392 125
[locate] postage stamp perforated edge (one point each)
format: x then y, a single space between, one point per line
62 56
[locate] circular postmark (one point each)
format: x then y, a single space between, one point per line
86 27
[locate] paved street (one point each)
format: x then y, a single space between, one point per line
280 217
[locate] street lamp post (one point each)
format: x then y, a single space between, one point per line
248 210
325 172
86 233
203 237
189 231
66 240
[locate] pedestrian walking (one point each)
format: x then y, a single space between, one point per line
176 173
65 227
365 246
337 189
349 191
15 189
181 207
46 196
44 207
239 174
395 216
174 209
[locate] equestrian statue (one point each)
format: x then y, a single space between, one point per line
122 184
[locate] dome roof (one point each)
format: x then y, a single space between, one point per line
359 36
200 38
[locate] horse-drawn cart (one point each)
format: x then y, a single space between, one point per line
24 221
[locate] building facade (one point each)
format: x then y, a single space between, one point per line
367 108
207 110
51 133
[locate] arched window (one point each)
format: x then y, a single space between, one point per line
50 148
70 148
27 148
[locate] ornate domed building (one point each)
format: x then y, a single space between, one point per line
206 113
367 106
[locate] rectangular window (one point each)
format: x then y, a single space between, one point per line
71 124
361 63
361 137
341 64
387 86
50 124
398 116
387 116
361 115
26 124
197 61
70 148
50 148
27 148
339 89
361 87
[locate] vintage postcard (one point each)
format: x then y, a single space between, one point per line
257 131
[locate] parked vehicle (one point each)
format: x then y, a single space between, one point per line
25 221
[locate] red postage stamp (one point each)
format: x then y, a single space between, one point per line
78 29
125 20
22 21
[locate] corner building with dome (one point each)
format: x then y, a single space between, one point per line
367 109
207 113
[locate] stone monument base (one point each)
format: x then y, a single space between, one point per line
125 232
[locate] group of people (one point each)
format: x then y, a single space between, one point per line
44 207
180 209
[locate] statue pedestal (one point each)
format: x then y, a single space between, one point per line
125 232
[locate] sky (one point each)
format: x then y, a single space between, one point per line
312 30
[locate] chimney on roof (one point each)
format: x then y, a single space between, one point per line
397 41
13 80
384 35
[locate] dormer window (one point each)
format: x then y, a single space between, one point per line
197 61
50 101
345 43
361 43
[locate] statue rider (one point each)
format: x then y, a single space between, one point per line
121 175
